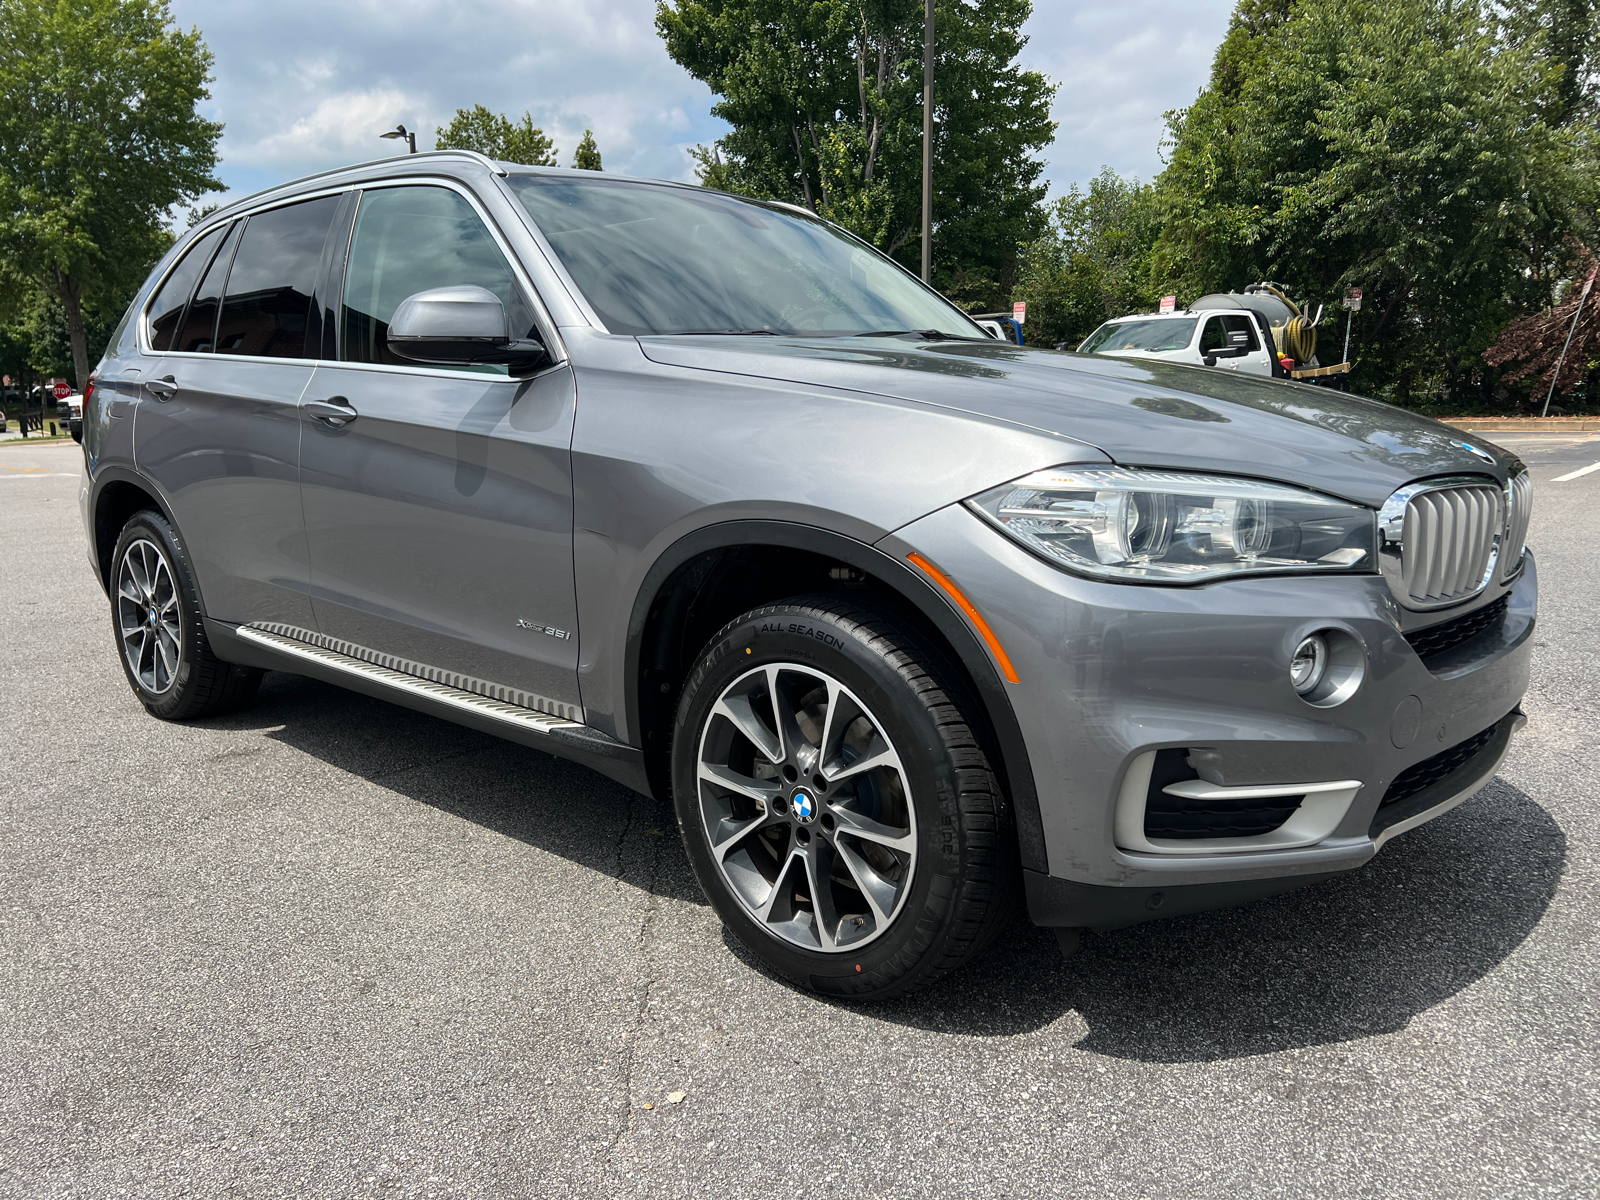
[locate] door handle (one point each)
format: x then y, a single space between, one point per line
162 389
334 412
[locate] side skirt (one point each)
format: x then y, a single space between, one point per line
254 647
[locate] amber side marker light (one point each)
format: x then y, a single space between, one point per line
973 615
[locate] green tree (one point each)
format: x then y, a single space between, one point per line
39 329
499 137
1403 146
587 156
1566 33
825 101
99 141
1093 261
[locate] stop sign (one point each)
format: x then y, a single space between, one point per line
61 390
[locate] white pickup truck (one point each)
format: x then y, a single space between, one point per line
1232 340
1258 332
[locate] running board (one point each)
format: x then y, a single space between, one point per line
258 647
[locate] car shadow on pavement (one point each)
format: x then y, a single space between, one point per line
521 793
1356 956
1360 955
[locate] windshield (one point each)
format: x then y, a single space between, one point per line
660 259
1173 334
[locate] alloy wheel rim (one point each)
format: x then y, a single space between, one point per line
148 622
806 808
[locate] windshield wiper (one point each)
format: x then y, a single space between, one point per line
727 332
927 335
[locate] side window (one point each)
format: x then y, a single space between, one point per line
200 325
1241 332
166 310
266 307
407 240
1229 331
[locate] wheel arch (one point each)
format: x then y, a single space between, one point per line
714 573
116 495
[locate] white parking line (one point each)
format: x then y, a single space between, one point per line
1581 471
43 474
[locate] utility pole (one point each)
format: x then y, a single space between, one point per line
927 146
1573 328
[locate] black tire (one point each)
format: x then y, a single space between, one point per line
199 684
963 884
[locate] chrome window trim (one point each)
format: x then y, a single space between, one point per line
1391 537
557 348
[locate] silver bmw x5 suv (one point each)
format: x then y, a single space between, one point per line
909 624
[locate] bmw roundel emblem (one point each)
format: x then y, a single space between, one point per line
1481 453
805 808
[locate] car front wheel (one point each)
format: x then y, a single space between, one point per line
837 808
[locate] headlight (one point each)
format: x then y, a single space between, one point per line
1171 527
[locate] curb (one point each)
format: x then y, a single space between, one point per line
1525 424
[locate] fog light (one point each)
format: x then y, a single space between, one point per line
1309 664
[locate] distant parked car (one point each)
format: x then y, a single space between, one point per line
69 412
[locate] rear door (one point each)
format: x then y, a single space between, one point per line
218 425
439 514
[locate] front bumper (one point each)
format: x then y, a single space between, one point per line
1109 672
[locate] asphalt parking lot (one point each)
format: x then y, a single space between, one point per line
333 948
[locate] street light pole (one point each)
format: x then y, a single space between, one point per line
927 146
399 131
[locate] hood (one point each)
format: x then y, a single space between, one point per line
1139 412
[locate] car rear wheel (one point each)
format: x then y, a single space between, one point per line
837 808
155 615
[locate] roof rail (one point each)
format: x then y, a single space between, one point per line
470 155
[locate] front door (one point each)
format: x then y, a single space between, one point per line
439 514
218 424
1231 339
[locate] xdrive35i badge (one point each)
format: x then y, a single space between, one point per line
550 630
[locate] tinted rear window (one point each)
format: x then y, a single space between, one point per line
200 325
166 310
268 304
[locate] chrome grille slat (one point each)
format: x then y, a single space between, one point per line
1441 539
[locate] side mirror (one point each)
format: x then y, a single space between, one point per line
463 325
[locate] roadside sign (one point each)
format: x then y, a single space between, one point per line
1588 284
61 391
1019 312
1169 304
1352 301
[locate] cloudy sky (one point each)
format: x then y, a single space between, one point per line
303 85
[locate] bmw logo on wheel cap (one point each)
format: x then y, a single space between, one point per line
804 806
